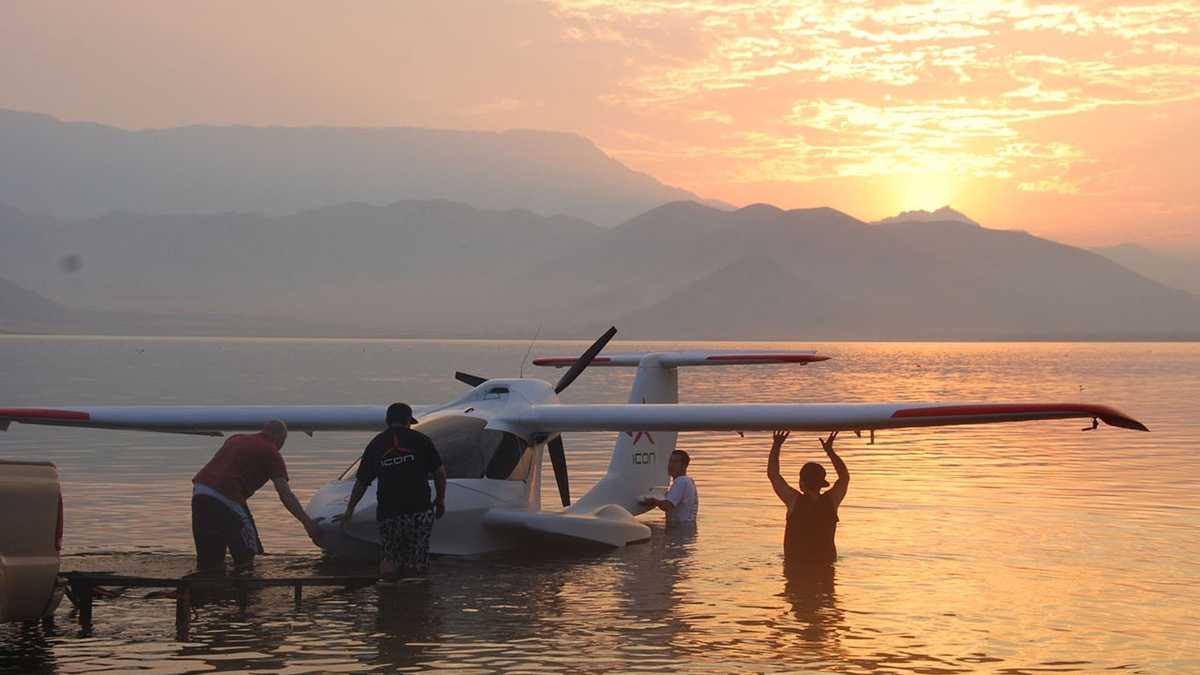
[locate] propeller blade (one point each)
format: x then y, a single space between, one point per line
583 360
469 379
558 458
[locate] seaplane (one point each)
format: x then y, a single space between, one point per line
494 438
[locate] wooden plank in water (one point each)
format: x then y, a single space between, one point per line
84 584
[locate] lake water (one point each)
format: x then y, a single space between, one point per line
1010 548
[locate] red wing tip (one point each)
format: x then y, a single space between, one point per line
1124 422
44 414
1108 415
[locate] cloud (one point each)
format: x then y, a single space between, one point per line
716 96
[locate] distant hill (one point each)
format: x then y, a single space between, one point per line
908 279
83 170
942 215
21 309
1165 269
409 268
681 270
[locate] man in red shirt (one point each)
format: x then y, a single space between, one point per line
221 518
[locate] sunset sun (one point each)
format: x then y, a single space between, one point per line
925 192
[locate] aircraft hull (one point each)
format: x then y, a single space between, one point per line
461 531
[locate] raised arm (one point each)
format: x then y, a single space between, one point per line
786 493
843 480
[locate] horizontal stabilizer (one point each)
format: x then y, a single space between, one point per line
610 524
691 358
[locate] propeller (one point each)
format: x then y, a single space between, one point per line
584 359
469 379
558 458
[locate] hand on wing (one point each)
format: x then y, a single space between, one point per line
314 531
779 437
827 444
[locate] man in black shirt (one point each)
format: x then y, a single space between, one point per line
402 460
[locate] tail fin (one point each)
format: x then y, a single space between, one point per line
639 460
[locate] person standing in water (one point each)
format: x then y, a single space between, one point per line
221 518
812 515
682 501
402 460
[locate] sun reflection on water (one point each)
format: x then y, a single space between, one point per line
1007 549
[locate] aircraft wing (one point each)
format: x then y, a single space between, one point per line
802 416
210 420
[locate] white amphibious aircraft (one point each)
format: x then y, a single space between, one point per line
493 439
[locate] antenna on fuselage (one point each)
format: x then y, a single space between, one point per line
532 342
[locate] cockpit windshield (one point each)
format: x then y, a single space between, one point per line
469 450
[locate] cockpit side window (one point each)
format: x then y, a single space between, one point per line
511 459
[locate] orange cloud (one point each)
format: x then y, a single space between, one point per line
905 92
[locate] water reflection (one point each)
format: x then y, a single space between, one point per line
648 587
809 590
27 647
947 532
408 621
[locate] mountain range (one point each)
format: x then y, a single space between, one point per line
942 215
1166 269
78 170
680 270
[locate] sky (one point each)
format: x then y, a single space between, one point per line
1079 122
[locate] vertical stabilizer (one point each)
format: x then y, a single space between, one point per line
639 459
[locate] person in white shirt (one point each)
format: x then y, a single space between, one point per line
682 501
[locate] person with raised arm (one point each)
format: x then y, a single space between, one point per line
812 515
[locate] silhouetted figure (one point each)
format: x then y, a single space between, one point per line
811 514
402 459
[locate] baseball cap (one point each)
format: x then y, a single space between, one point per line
813 474
398 413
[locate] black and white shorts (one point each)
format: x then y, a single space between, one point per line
215 528
404 540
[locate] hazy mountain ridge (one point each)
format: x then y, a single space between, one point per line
1166 269
942 215
916 279
20 307
427 261
680 270
81 170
